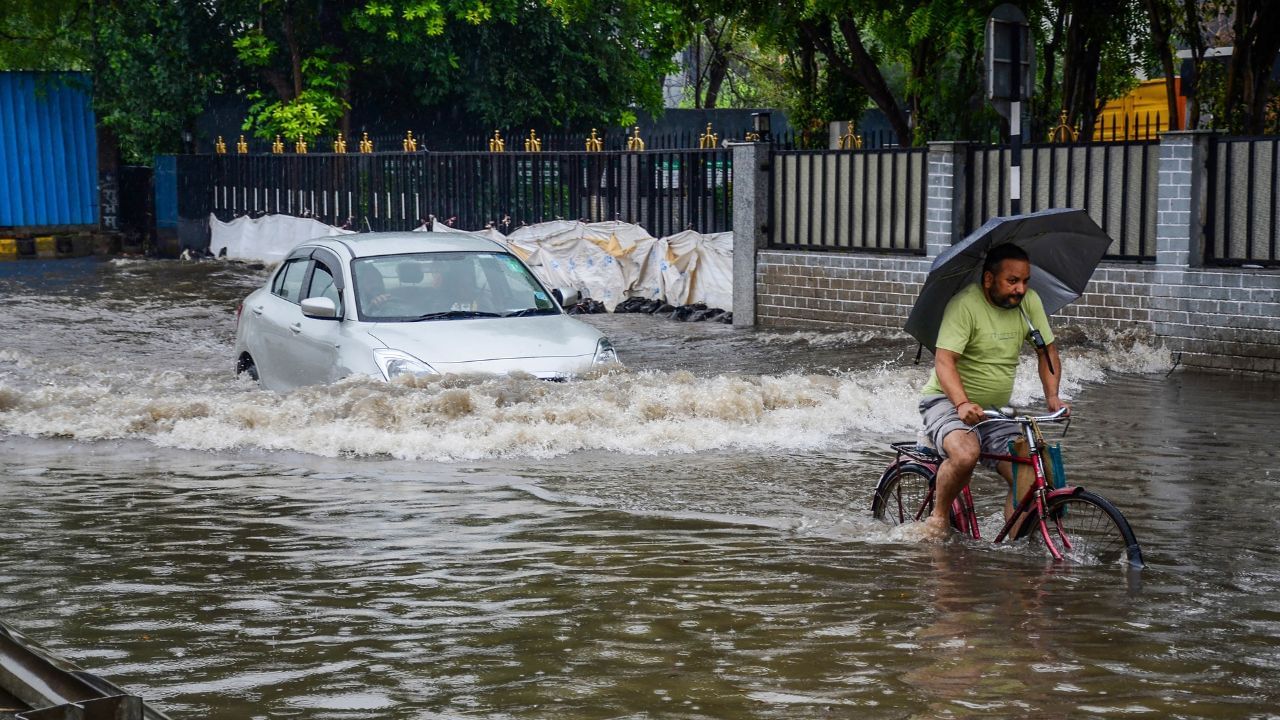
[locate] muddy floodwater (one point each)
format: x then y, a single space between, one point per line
688 537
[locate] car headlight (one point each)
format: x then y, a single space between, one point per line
394 363
605 353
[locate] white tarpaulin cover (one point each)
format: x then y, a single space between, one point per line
613 261
268 238
609 261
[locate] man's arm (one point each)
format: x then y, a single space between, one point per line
944 363
1050 379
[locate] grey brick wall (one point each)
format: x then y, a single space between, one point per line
1216 318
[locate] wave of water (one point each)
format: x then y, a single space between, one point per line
468 418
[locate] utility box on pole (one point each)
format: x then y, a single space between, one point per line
1011 58
1010 75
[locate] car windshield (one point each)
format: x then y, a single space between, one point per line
447 286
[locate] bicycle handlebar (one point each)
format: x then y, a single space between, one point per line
997 415
1000 417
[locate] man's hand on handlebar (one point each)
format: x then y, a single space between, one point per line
970 412
1055 404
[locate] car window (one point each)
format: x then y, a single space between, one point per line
288 284
322 285
413 287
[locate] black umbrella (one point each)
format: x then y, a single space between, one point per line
1064 245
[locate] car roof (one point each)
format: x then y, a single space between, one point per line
395 243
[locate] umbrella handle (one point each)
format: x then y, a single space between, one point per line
1038 340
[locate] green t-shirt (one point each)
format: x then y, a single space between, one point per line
987 339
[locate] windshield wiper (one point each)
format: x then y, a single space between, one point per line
455 315
531 311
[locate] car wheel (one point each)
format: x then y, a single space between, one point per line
245 365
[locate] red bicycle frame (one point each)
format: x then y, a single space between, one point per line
965 517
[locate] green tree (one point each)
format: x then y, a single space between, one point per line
45 35
154 70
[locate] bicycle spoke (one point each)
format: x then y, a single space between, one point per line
1086 531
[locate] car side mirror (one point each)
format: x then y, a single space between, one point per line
321 308
567 297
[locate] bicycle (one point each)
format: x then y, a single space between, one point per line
1072 522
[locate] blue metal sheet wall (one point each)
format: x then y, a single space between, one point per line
166 189
48 150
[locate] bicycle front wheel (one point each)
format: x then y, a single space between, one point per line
904 495
1086 527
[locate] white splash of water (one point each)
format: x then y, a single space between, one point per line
469 418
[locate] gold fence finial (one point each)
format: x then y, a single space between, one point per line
634 143
410 145
533 144
277 147
300 147
340 144
496 143
594 143
708 139
849 141
366 145
220 147
1063 133
242 147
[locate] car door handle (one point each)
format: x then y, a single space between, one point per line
257 310
296 328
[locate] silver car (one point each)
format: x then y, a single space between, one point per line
389 304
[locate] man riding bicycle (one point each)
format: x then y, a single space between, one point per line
982 332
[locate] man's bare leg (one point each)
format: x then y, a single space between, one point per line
954 473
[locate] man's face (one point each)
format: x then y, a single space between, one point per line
1007 284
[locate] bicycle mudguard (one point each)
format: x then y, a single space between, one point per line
1065 491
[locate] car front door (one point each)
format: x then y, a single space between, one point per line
316 341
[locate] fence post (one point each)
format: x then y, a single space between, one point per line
1183 197
750 218
945 198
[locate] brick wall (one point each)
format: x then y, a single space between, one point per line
1215 318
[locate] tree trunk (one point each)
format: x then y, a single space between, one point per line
295 54
1080 66
1194 37
717 67
1249 72
697 72
1161 17
1048 93
860 67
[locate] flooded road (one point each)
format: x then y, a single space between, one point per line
689 537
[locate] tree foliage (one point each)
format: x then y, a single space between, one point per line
305 64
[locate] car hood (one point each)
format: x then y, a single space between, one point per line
484 339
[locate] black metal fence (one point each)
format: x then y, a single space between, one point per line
1241 223
665 191
848 200
1116 183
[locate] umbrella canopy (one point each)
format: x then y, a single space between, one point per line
1064 245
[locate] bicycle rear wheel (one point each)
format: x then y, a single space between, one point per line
1086 527
904 495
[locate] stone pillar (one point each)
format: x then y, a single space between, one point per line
750 217
945 196
1182 198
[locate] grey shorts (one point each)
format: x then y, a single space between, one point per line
940 419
